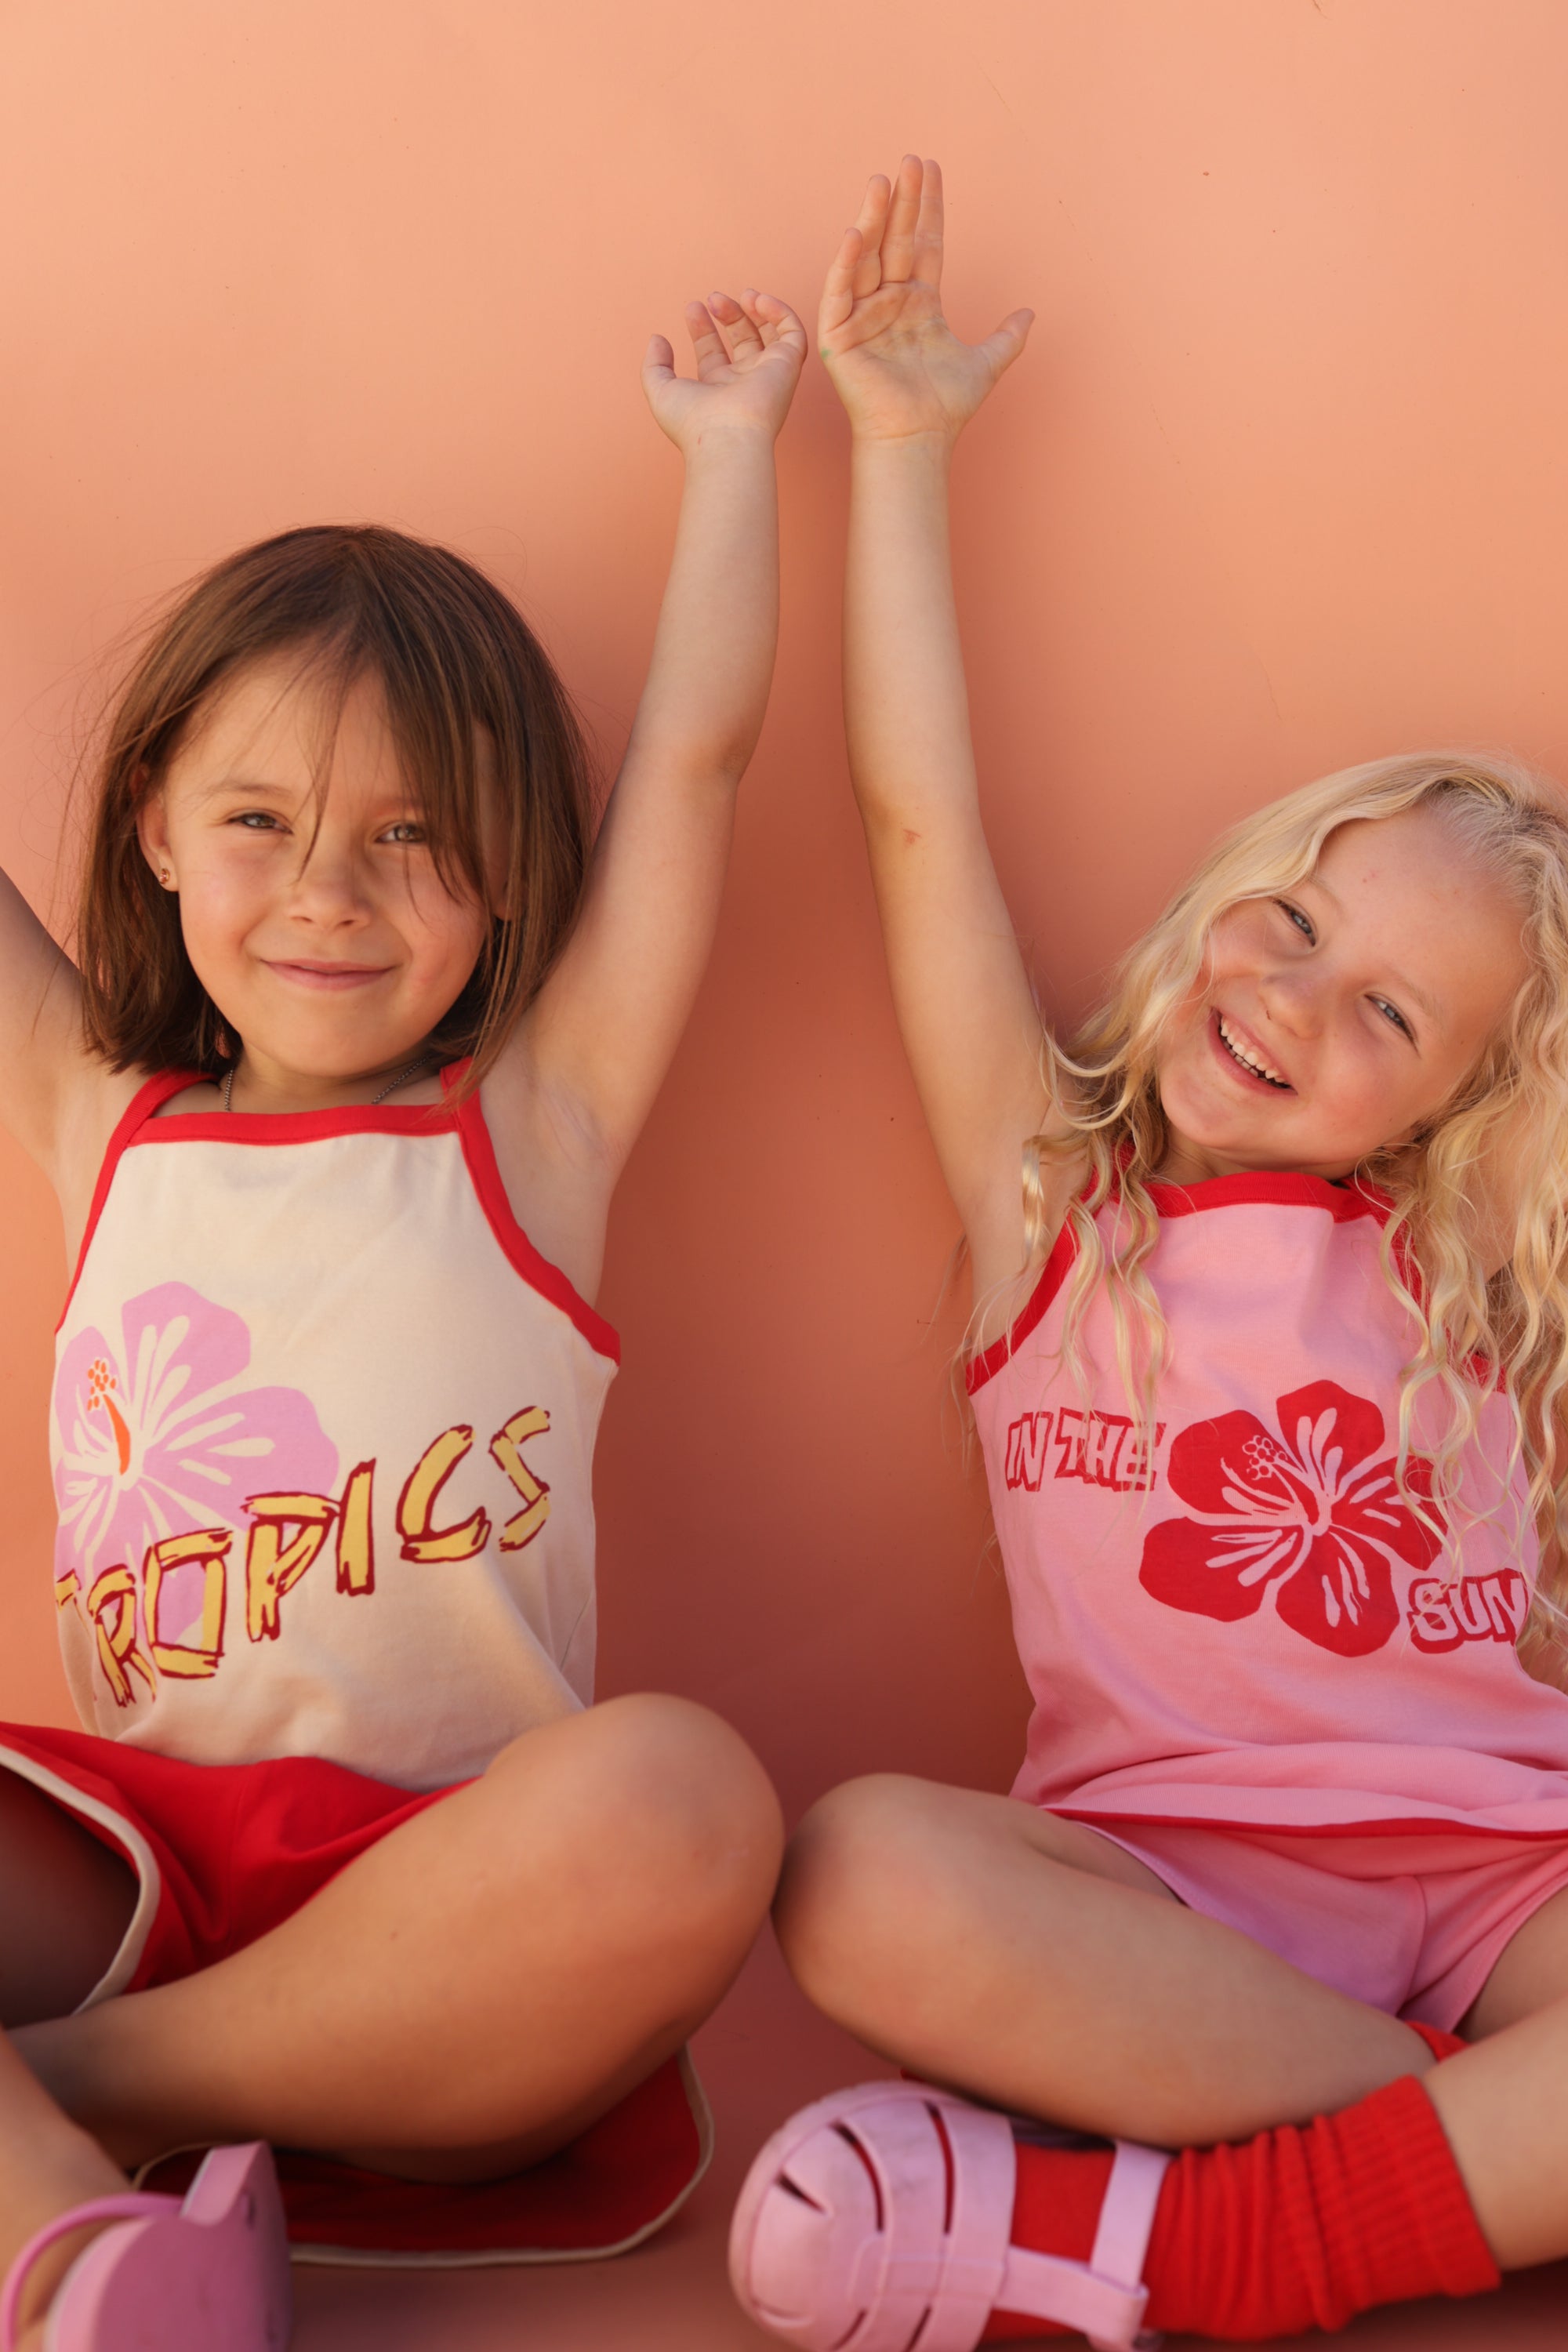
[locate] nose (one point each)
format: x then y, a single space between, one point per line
330 886
1291 995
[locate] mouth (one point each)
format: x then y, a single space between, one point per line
1239 1049
335 978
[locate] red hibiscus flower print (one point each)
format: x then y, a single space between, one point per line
1313 1516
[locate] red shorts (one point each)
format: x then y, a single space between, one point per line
223 1853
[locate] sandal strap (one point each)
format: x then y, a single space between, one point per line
1103 2298
1127 2216
132 2206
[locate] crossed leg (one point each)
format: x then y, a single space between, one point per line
1035 1965
464 1997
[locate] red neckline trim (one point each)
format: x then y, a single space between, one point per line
139 1125
1270 1188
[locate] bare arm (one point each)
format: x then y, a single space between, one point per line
963 995
58 1100
582 1074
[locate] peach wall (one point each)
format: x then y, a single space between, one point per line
1283 482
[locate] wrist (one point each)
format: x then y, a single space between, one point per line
739 441
923 452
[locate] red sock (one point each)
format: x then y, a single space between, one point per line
1297 2228
1441 2044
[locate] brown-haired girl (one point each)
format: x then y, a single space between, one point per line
357 1041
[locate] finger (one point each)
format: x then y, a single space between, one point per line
743 335
781 330
927 242
657 363
838 287
708 344
750 301
1001 349
903 213
872 221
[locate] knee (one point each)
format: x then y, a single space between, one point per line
669 1813
856 1877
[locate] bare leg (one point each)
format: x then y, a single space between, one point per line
1037 1965
480 1984
462 1999
1503 2110
66 1901
1034 1963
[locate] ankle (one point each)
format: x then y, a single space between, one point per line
42 2178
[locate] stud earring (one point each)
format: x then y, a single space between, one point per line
163 876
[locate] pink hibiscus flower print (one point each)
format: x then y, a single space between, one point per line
157 1434
1313 1516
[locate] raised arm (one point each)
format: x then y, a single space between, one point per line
596 1044
963 995
55 1098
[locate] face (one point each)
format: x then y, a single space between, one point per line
310 902
1339 1017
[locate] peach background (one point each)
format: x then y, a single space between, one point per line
1282 483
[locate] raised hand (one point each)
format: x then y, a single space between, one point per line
748 356
895 363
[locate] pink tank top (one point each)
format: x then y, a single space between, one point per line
1231 1614
322 1433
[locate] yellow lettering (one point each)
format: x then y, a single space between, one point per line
272 1567
118 1653
67 1588
356 1539
504 1446
416 1505
189 1662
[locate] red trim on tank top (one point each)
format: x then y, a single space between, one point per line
1268 1188
467 1119
480 1155
140 1108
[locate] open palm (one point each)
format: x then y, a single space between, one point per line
749 355
895 363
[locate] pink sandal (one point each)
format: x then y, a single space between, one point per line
880 2219
209 2275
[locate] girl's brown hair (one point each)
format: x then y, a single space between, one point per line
452 656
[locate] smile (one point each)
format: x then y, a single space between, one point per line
334 977
1245 1059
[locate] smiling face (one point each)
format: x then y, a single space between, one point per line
1339 1017
310 903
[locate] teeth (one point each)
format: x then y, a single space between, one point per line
1248 1061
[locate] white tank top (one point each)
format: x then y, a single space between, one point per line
323 1434
1229 1613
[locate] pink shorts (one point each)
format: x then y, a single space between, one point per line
1413 1921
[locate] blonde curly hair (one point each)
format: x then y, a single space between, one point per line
1480 1197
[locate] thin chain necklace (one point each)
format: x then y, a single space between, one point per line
424 1062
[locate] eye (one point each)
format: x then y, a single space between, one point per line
1392 1013
407 834
256 821
1295 915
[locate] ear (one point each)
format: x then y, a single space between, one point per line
153 833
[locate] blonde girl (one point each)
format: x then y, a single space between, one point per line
1268 1375
359 1035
